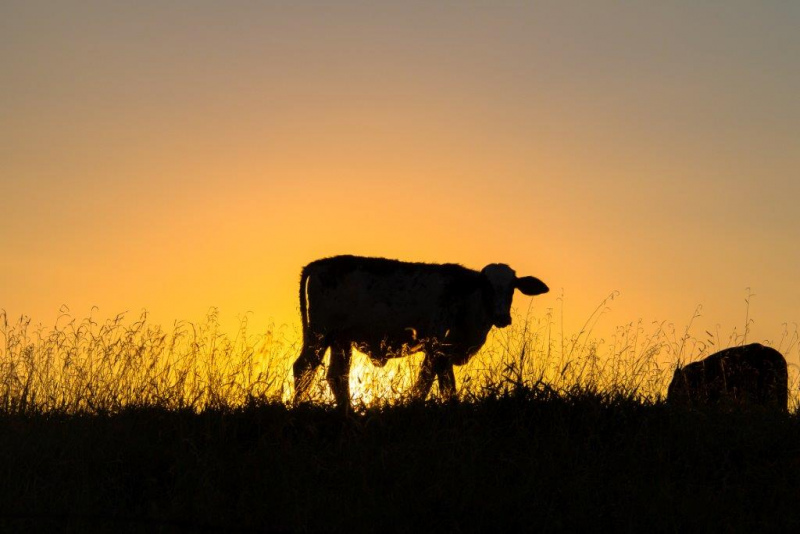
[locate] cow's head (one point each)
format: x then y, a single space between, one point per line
688 385
500 281
678 391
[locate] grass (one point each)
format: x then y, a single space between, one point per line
125 426
82 367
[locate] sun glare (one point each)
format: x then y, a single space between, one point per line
370 384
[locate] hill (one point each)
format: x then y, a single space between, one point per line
528 459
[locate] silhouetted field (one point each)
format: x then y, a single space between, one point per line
125 427
523 460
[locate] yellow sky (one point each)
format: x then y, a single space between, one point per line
175 156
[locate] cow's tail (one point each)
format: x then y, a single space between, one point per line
304 303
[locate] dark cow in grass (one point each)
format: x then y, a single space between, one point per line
387 309
752 375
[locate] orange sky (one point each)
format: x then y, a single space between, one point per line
179 155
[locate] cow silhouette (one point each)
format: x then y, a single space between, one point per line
751 375
388 309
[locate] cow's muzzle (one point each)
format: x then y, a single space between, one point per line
502 321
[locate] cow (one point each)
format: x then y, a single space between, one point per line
751 375
388 308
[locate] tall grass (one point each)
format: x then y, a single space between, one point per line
80 366
86 366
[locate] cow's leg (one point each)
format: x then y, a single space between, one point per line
425 379
339 375
447 378
436 366
304 366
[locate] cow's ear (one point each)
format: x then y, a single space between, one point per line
529 285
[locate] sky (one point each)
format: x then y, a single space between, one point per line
177 156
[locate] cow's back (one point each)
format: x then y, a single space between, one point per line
368 297
748 375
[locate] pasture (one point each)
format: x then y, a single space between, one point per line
124 425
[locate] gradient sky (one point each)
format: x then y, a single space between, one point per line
180 155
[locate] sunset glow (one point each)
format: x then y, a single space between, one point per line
174 159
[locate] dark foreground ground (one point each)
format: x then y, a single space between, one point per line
520 462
